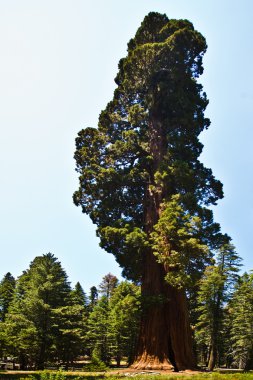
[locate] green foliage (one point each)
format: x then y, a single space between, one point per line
19 337
7 287
177 243
43 323
123 321
93 297
211 286
68 330
69 324
113 323
79 296
97 335
241 323
47 375
96 365
146 145
215 289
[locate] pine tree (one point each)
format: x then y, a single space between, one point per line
140 166
241 322
7 287
215 290
93 298
207 327
97 335
19 338
79 296
69 326
40 290
123 321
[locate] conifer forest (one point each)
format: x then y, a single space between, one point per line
184 303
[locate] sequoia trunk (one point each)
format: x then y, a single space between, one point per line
165 340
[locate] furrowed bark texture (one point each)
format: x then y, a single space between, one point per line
165 340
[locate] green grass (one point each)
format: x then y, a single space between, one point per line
53 375
204 376
49 375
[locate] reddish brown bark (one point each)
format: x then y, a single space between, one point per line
165 340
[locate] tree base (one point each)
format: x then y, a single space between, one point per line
152 364
149 363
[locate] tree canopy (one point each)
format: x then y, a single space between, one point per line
120 161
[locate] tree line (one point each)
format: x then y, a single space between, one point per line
45 322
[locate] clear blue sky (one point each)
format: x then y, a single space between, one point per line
57 68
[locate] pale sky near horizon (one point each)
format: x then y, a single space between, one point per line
58 63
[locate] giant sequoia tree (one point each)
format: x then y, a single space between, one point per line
142 184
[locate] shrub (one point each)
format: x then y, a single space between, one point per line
96 365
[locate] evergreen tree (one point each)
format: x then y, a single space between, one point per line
93 298
108 284
69 328
47 290
123 321
79 296
40 291
216 287
70 325
241 323
7 287
19 338
97 335
208 326
144 187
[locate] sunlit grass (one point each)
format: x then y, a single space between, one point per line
60 375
